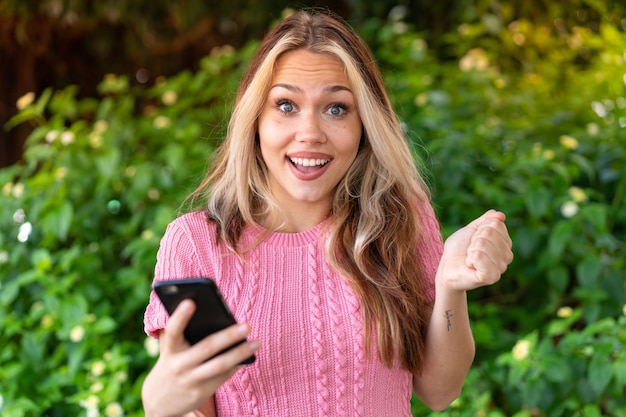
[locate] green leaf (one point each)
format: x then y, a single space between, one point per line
538 201
558 369
32 349
596 214
20 407
526 240
73 311
108 163
558 278
619 368
10 290
588 271
104 325
600 372
559 238
572 340
534 390
8 293
75 360
591 410
58 221
41 260
33 112
602 326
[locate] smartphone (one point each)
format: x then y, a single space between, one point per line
212 313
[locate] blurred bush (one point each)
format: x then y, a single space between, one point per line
543 141
80 223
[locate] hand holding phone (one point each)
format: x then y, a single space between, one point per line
211 314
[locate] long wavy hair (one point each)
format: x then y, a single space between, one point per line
375 228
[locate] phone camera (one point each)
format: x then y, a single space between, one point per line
170 289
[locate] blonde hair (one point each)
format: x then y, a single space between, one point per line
375 232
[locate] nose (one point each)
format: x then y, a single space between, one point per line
310 129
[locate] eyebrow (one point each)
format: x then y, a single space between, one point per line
329 89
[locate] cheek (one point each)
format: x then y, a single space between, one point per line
270 148
348 156
271 133
266 150
265 136
269 140
350 147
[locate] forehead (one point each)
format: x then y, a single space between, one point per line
302 66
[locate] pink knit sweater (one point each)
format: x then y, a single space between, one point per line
312 360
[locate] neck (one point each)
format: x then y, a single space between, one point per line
297 220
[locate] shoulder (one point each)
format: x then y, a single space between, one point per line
187 248
192 220
195 223
190 230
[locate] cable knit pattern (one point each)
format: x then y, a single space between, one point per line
238 278
360 359
340 344
319 345
246 378
312 360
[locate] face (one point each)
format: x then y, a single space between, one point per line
309 131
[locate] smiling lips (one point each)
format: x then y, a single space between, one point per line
308 168
308 162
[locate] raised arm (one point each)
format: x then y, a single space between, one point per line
474 256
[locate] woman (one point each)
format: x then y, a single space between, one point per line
318 229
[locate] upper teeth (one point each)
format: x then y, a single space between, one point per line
306 162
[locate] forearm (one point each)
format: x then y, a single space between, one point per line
449 350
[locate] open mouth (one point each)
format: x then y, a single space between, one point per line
308 164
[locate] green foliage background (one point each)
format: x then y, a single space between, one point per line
522 115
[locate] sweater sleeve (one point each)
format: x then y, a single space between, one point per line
430 246
176 259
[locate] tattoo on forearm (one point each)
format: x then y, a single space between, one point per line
449 318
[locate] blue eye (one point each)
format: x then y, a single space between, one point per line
286 106
337 110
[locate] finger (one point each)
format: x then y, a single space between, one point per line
489 214
487 269
489 257
228 362
218 341
481 263
487 277
492 238
173 334
491 244
216 380
502 231
495 230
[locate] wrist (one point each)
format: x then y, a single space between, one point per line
152 413
149 411
449 285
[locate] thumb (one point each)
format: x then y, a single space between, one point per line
175 327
